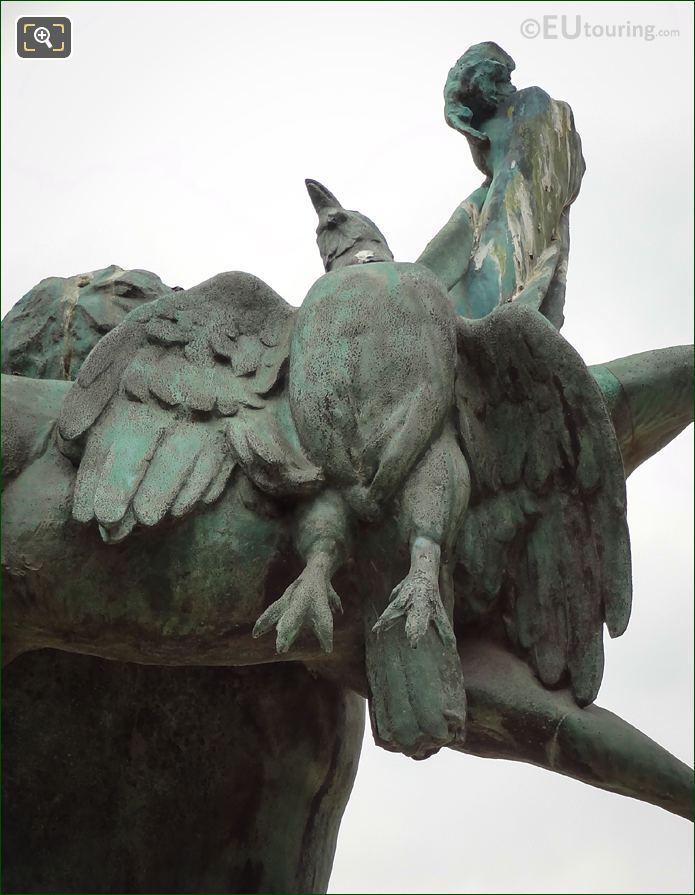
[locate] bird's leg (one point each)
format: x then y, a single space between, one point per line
417 696
401 442
321 539
432 505
417 597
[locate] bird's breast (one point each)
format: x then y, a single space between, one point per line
367 337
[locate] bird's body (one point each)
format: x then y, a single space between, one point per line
373 351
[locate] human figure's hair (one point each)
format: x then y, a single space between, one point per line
475 79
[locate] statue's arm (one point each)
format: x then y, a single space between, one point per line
650 399
29 411
448 254
513 716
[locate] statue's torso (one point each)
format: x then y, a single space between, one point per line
535 161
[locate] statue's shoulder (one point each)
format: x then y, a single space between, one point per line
534 102
531 100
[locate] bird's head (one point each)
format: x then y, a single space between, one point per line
344 237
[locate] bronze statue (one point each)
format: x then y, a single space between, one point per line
416 446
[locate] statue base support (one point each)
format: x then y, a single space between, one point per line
132 778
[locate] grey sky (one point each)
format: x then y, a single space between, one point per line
177 137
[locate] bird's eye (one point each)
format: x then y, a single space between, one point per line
338 217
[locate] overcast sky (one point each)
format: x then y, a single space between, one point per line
176 138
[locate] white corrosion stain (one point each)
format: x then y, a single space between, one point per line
552 747
481 254
521 228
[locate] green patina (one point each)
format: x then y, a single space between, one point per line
416 446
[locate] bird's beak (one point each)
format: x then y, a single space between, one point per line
320 196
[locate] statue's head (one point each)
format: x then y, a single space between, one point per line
344 237
479 82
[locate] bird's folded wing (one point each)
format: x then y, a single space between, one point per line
546 535
157 405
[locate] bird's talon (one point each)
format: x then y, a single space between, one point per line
309 602
417 600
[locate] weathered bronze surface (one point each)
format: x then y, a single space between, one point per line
413 482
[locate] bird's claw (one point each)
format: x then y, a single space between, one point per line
309 601
417 599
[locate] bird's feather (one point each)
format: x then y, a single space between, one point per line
157 404
545 535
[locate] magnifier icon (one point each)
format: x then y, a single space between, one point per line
43 36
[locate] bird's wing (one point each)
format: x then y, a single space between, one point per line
545 537
184 389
